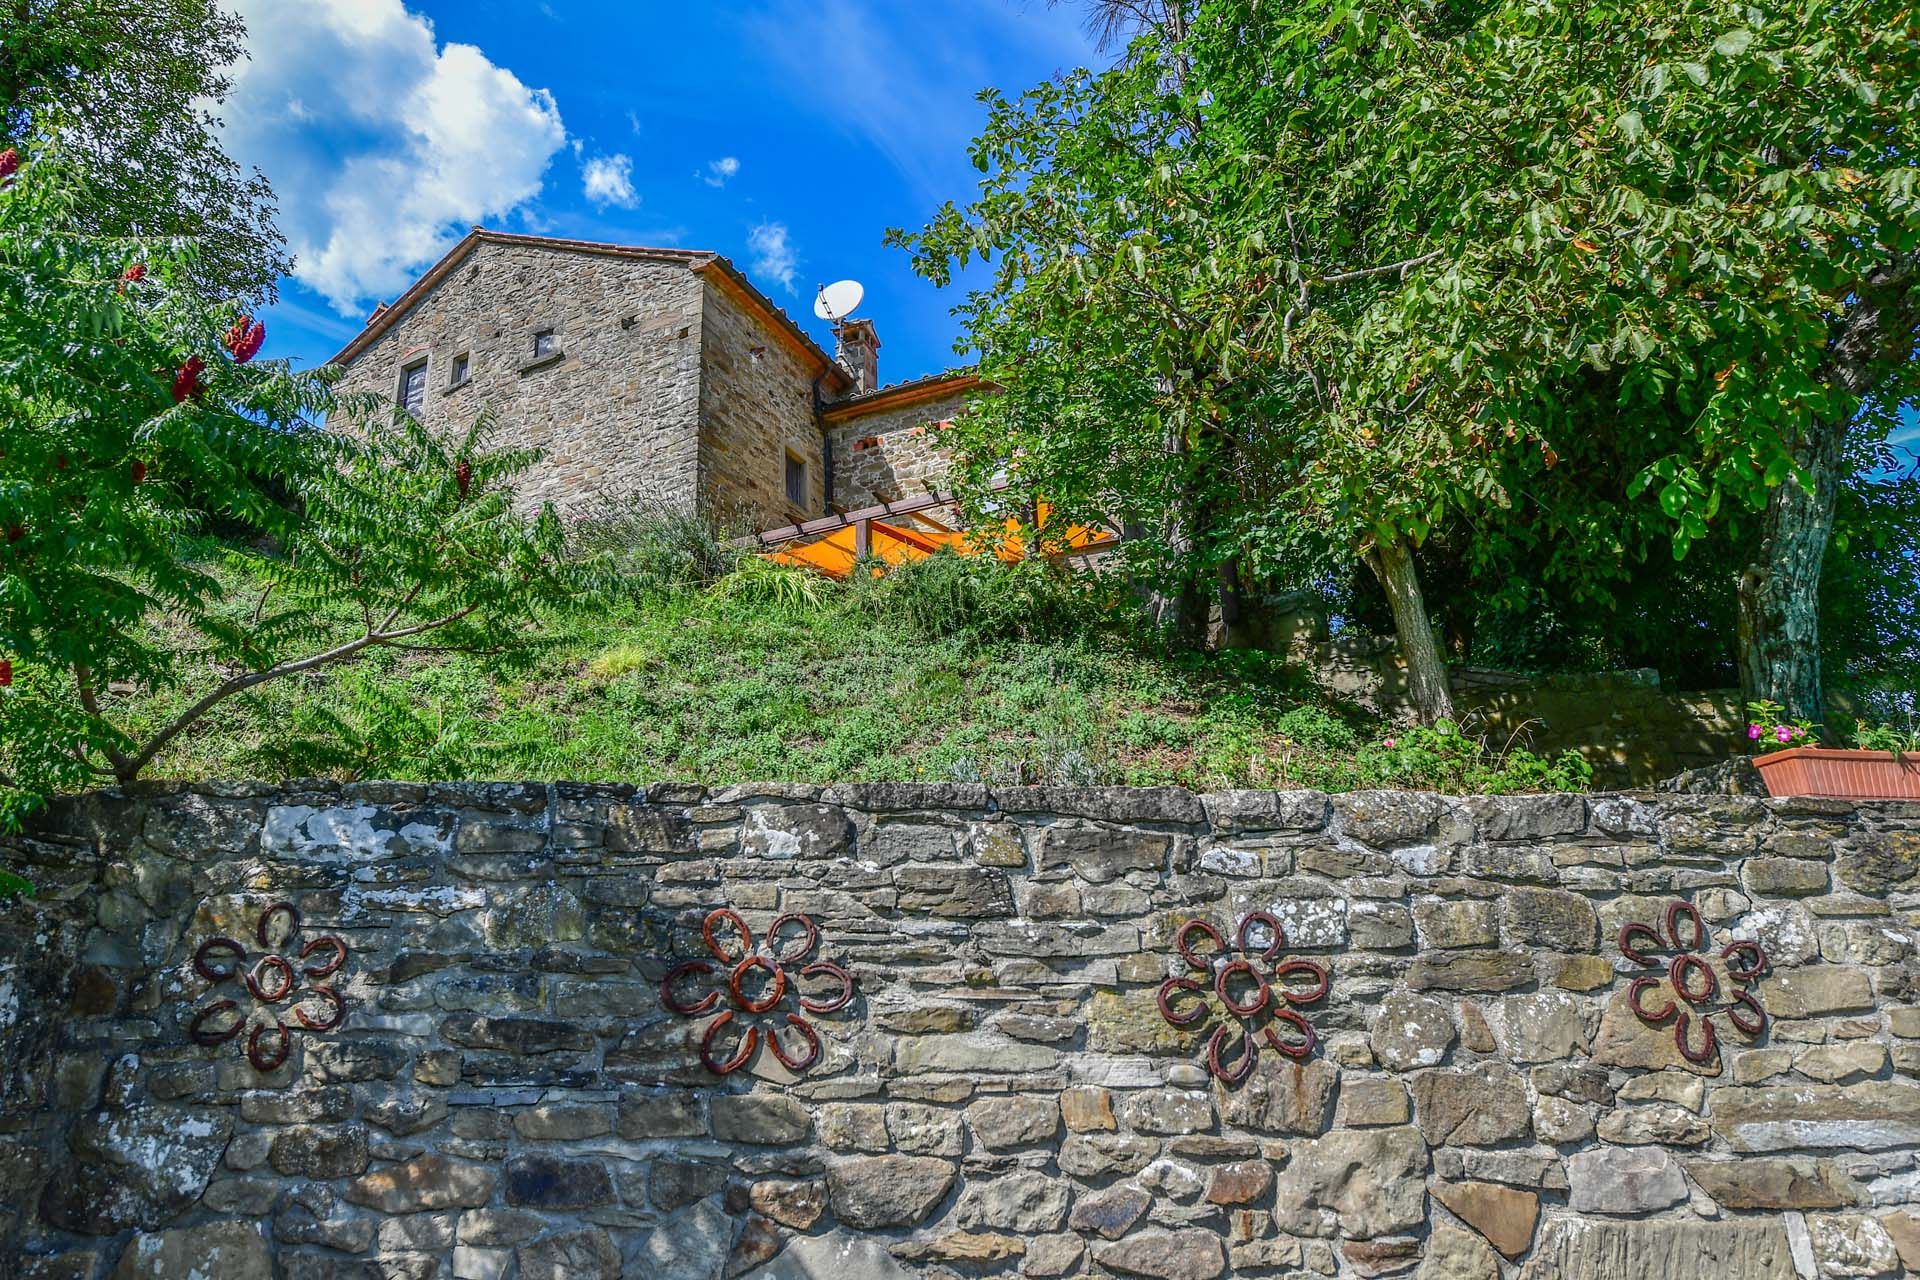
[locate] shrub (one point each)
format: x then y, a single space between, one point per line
765 584
655 547
1900 740
979 597
1442 757
1316 727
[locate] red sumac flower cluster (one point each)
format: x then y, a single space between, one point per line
187 381
244 338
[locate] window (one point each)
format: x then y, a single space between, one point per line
413 387
796 481
543 344
459 369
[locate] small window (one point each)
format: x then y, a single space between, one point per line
796 481
459 369
413 387
543 344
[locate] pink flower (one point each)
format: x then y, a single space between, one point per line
1782 734
9 163
1390 744
1753 733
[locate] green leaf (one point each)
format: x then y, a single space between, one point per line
1731 44
1673 500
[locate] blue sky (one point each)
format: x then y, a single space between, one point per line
786 134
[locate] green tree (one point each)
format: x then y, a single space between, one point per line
1564 276
129 87
1149 279
1710 205
131 411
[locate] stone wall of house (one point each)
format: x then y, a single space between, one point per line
616 410
756 408
883 457
508 1092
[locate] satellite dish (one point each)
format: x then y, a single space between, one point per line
837 301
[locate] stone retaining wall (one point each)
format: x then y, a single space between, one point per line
1634 732
508 1094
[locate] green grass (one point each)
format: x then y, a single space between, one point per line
954 672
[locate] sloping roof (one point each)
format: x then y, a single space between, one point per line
702 262
900 395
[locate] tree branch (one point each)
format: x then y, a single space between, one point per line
83 681
132 765
1403 266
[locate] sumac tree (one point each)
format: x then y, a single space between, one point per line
132 410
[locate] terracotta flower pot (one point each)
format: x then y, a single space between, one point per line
1842 775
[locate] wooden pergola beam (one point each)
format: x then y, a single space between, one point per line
879 511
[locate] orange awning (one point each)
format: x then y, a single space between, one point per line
835 552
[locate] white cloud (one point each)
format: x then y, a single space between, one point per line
609 180
720 171
773 254
383 145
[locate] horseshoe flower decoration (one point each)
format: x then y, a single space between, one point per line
789 940
1691 977
1245 992
273 982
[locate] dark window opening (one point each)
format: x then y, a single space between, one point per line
459 369
413 387
543 344
796 481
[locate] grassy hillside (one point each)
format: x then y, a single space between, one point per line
952 671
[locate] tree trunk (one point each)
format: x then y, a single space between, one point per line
1779 594
1179 611
1236 629
1392 563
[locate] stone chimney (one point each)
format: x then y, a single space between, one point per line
859 353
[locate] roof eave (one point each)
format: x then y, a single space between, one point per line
384 317
905 396
742 290
706 264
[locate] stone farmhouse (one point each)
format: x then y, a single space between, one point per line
656 374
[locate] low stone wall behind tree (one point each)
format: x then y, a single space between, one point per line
1633 732
507 1095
